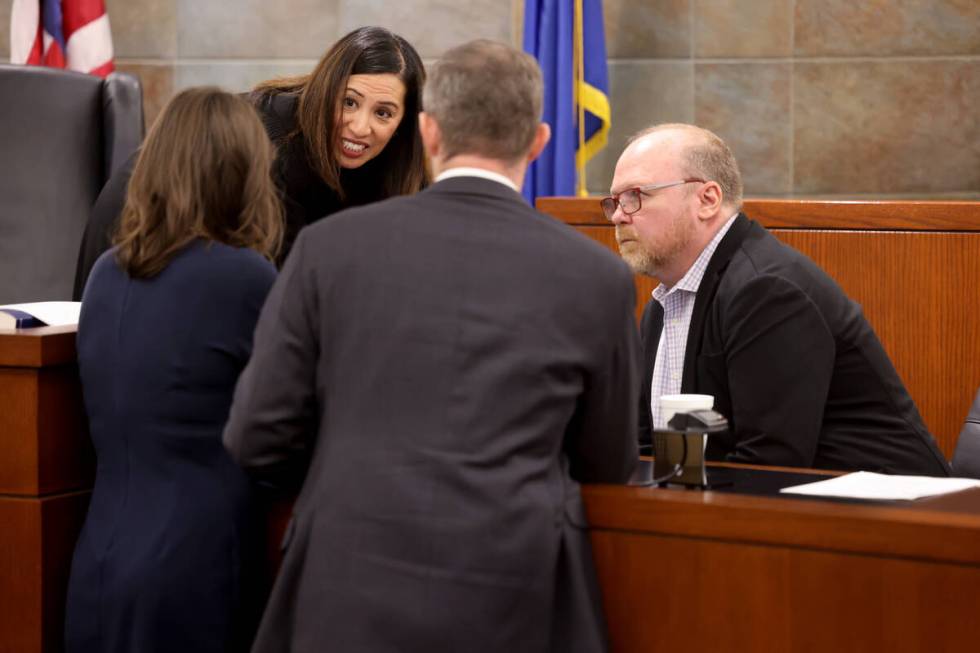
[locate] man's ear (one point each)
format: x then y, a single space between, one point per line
541 137
431 135
711 200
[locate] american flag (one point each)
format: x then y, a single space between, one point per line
71 34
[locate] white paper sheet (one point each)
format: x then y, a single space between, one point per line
51 313
868 485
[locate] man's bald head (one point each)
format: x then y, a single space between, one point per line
698 153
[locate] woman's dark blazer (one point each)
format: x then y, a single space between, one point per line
158 565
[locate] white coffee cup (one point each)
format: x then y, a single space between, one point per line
672 404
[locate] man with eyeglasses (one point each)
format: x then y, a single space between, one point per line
789 358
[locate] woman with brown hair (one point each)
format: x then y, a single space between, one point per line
368 148
165 329
346 134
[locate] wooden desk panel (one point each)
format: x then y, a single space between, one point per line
35 558
43 432
687 594
20 572
914 215
46 469
688 570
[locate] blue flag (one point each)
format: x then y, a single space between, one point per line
567 39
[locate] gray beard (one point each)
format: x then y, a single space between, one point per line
641 262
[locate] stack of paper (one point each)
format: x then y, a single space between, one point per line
867 485
39 313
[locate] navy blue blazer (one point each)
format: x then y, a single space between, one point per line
158 565
793 364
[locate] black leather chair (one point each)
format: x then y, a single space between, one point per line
966 458
61 135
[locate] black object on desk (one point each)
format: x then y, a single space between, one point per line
757 482
679 448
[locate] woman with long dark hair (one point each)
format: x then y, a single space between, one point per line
368 147
345 134
165 558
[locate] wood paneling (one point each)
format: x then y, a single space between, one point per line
35 556
20 572
913 266
46 470
881 216
42 431
714 571
18 431
682 594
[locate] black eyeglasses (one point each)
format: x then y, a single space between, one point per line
629 199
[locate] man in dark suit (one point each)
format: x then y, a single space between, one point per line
789 359
444 369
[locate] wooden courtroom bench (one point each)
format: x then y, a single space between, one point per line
914 267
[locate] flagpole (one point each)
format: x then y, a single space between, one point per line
579 80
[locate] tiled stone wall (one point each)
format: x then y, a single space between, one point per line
816 97
173 44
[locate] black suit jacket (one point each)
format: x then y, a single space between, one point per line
793 364
446 367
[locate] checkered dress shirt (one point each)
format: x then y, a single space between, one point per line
678 305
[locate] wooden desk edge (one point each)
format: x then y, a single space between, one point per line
906 531
38 347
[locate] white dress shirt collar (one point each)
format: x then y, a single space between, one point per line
478 172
